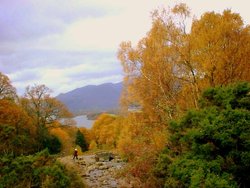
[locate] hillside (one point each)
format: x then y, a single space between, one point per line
91 98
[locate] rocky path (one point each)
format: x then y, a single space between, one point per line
98 171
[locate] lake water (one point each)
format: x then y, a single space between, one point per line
83 121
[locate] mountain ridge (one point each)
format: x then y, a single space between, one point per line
92 98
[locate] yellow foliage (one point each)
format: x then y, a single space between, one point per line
138 138
221 45
60 133
105 130
92 145
168 69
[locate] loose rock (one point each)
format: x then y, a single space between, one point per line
99 170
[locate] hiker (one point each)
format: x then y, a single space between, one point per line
75 154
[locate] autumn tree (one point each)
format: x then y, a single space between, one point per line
139 143
6 89
17 131
67 136
106 130
150 68
45 110
214 53
42 107
221 44
169 68
166 72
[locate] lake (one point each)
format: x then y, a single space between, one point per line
83 121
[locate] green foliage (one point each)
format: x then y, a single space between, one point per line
54 144
22 133
233 97
80 141
210 147
40 170
46 140
10 142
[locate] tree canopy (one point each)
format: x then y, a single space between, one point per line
7 91
42 107
168 69
210 147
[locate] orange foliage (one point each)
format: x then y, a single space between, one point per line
17 132
140 142
92 145
168 69
13 115
60 133
66 135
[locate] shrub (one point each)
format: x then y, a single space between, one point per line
210 147
39 170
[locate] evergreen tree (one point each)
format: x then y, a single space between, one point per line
80 141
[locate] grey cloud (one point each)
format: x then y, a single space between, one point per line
28 59
96 74
27 75
18 21
27 67
26 19
70 12
23 23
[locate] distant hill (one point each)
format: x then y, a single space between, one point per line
91 98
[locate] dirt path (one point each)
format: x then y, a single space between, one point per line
98 174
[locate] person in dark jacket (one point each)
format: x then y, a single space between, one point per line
75 154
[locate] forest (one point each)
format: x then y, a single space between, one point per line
192 123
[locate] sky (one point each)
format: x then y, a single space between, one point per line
67 44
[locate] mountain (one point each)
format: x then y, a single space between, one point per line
92 98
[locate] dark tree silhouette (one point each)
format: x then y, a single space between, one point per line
80 141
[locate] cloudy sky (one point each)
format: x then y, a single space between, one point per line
66 44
